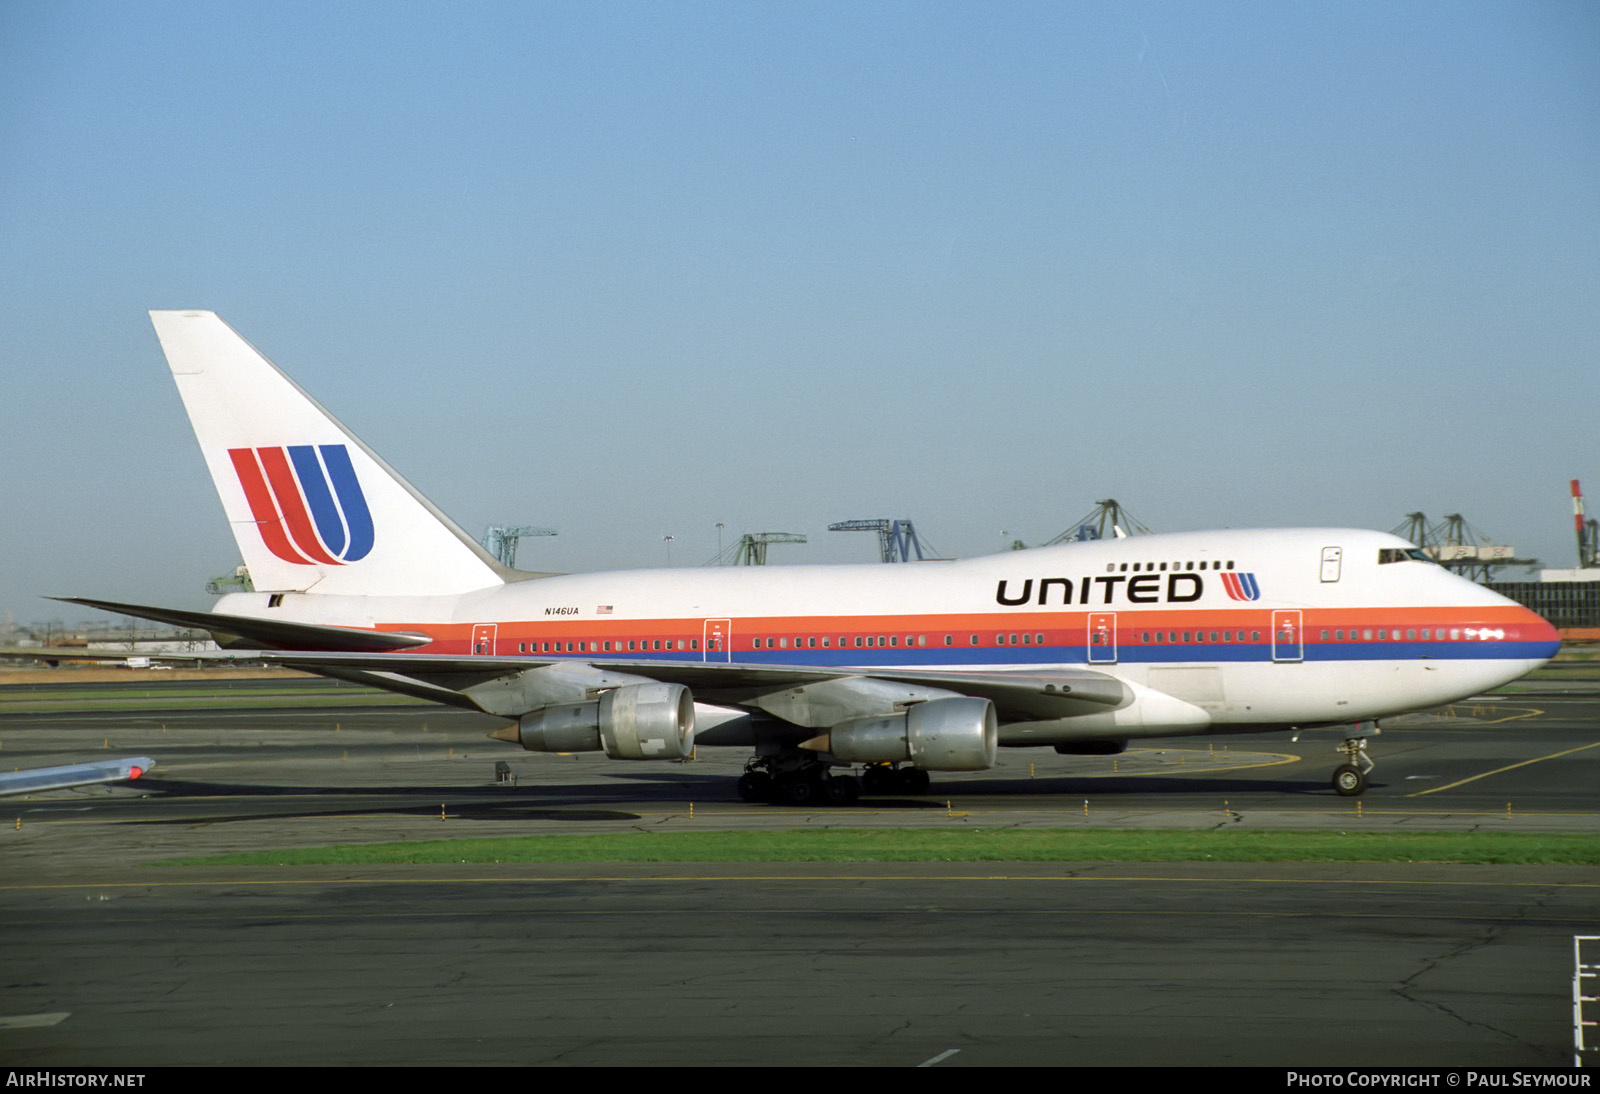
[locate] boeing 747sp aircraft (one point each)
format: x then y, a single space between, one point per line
902 670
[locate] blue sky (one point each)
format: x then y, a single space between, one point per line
633 269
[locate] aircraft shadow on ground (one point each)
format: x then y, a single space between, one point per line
1188 786
571 802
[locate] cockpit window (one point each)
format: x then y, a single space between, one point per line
1402 554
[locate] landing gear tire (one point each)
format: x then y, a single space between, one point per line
1349 781
878 779
799 790
755 786
842 790
913 780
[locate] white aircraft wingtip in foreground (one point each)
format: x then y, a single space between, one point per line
905 669
39 779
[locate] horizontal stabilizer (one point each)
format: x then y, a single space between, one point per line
242 631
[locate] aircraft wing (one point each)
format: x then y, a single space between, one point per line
1017 696
380 659
70 775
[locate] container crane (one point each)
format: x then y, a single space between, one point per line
897 539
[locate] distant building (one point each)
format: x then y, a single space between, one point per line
1568 598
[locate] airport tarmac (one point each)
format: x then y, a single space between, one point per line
112 962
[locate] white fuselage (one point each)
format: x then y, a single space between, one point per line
1229 631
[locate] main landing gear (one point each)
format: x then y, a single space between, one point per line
1350 779
801 779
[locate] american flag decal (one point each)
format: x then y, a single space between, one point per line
603 609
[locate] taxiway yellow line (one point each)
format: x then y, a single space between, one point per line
1527 712
1499 770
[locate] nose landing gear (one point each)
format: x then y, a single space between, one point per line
1350 779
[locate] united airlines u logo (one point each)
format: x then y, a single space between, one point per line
1241 586
306 501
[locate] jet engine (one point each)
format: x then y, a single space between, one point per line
636 722
957 734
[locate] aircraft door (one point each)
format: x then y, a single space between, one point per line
717 640
1103 638
1288 644
1330 563
483 639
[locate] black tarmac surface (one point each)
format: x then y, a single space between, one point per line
105 961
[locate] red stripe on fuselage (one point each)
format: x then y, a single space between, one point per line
1065 630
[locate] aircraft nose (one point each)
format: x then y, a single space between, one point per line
1537 633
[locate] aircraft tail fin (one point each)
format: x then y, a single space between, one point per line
313 508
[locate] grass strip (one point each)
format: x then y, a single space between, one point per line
965 845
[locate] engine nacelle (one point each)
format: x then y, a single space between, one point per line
637 722
957 734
